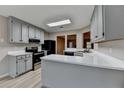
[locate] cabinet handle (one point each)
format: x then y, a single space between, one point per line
96 36
103 33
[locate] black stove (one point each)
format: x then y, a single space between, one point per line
35 55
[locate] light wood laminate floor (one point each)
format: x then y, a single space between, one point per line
31 79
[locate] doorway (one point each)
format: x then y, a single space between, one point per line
60 44
71 41
86 38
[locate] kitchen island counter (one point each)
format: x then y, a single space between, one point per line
92 70
94 59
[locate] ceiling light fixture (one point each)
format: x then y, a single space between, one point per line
59 23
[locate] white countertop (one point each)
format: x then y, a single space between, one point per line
18 53
72 49
94 59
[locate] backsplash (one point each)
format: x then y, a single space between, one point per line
113 48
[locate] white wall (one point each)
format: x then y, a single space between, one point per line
79 33
5 46
46 35
113 48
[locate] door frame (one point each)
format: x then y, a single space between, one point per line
57 42
83 37
75 39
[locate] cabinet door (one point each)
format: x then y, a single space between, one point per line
38 34
100 22
16 32
94 26
28 63
96 23
92 29
20 65
31 32
25 37
42 36
114 25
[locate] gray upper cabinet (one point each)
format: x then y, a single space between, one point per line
97 24
41 37
109 25
15 32
25 35
31 32
21 32
18 32
100 23
38 34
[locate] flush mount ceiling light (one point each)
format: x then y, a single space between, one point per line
59 23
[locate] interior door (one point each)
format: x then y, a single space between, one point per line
25 37
16 34
60 44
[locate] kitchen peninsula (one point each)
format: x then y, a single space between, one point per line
92 70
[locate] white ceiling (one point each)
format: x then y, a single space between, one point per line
40 15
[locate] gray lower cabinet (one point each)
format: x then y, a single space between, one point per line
107 23
28 63
19 64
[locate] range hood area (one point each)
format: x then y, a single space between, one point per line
32 40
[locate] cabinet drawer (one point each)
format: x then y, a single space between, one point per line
29 55
20 57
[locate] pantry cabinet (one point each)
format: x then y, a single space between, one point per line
19 64
107 23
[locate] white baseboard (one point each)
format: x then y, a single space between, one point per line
4 75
